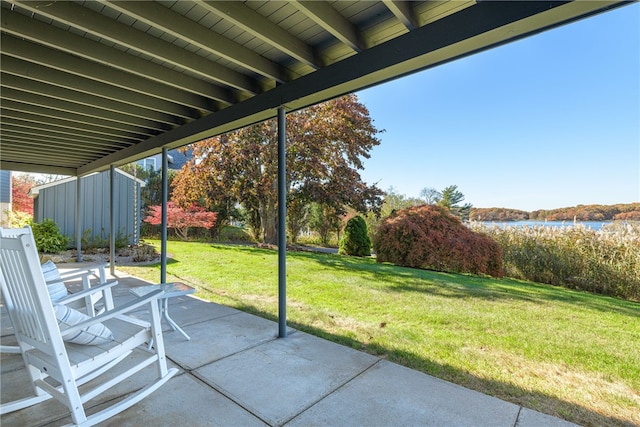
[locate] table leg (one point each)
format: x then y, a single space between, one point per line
170 321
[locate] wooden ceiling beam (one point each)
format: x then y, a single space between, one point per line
81 18
260 27
330 19
56 39
164 19
403 10
76 66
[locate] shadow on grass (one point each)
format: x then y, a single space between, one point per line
534 400
451 285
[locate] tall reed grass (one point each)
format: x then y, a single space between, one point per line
606 261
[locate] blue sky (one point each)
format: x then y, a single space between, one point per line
546 122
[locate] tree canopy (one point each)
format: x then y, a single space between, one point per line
20 187
430 195
182 219
621 211
326 144
450 199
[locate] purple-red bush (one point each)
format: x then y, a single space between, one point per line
430 237
182 219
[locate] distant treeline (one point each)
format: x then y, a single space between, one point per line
629 211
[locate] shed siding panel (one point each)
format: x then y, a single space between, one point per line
58 203
5 186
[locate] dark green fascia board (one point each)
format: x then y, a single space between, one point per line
33 168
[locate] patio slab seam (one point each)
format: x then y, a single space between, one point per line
335 390
226 356
197 322
201 380
107 402
515 424
247 407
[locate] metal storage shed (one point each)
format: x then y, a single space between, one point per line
57 200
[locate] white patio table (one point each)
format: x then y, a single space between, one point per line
171 290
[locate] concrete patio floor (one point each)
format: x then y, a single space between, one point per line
236 372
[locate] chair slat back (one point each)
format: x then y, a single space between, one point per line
25 292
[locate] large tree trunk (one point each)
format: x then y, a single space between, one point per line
297 217
268 219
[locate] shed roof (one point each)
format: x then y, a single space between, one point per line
35 190
89 84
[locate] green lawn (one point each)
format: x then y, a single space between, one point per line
562 352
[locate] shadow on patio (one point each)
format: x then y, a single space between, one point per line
236 372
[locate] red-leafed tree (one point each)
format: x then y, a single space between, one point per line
20 187
431 237
182 219
326 145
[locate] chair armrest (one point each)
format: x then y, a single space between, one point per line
71 276
84 293
130 306
98 271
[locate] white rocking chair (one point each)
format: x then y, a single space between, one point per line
104 298
57 368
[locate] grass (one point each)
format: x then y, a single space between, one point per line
567 353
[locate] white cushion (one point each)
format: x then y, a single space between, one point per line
55 285
91 335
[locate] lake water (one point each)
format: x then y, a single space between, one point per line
595 225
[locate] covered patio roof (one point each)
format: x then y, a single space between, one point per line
90 84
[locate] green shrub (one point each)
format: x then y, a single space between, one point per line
355 240
233 234
91 241
430 237
605 261
48 237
